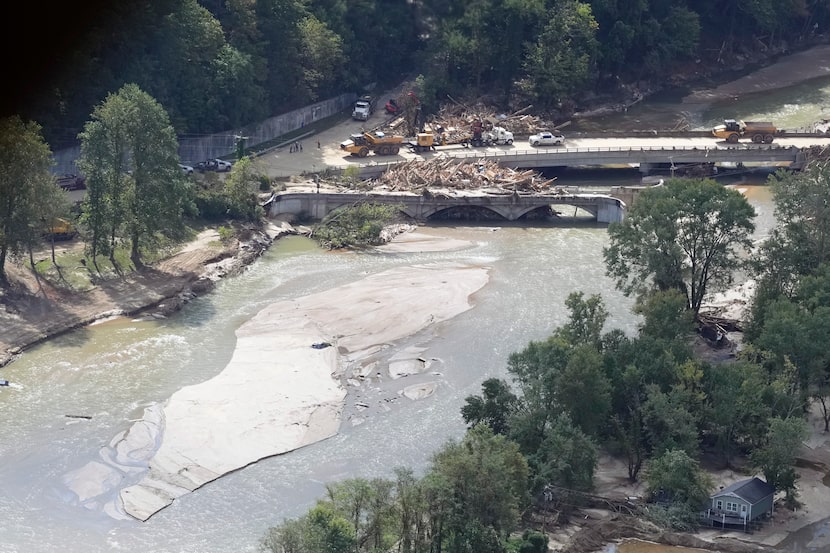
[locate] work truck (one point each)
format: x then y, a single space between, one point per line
733 130
486 135
363 108
382 144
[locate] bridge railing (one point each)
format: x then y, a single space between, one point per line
462 154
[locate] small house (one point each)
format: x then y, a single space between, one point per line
741 503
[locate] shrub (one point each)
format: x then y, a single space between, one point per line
226 234
358 225
212 205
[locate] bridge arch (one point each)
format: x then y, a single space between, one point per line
603 208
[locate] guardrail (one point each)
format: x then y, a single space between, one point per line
378 166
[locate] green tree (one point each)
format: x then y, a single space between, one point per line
678 476
535 370
278 22
668 422
26 186
411 510
777 456
241 190
687 235
586 320
800 242
566 458
493 407
368 505
323 58
136 192
666 317
477 487
562 60
320 530
583 390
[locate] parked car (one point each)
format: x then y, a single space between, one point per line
218 165
546 138
186 169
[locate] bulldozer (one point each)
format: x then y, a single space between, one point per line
382 144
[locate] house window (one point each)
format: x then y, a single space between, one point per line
731 507
719 504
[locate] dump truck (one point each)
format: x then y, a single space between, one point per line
382 144
733 130
363 108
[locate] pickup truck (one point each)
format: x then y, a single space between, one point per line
218 165
546 138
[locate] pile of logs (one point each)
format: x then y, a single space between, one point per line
450 174
462 118
458 117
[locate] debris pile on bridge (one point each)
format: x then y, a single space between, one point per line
460 116
456 117
446 173
815 154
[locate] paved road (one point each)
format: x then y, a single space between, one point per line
281 163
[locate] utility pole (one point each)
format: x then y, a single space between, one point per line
240 145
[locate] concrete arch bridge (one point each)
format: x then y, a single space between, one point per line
510 207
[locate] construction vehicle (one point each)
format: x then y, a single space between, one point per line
484 136
71 182
363 108
60 229
360 144
429 140
732 131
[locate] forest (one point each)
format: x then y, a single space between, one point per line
219 64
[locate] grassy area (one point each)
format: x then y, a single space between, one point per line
73 270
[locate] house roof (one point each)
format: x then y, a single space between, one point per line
751 490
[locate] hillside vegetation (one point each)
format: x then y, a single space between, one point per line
219 64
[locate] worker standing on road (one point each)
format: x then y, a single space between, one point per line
318 144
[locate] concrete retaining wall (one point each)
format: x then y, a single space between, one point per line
193 149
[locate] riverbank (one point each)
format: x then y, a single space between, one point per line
32 310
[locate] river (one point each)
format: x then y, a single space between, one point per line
111 371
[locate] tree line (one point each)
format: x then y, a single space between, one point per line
647 399
220 64
137 199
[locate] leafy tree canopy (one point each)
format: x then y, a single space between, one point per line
688 235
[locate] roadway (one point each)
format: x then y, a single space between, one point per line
282 163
